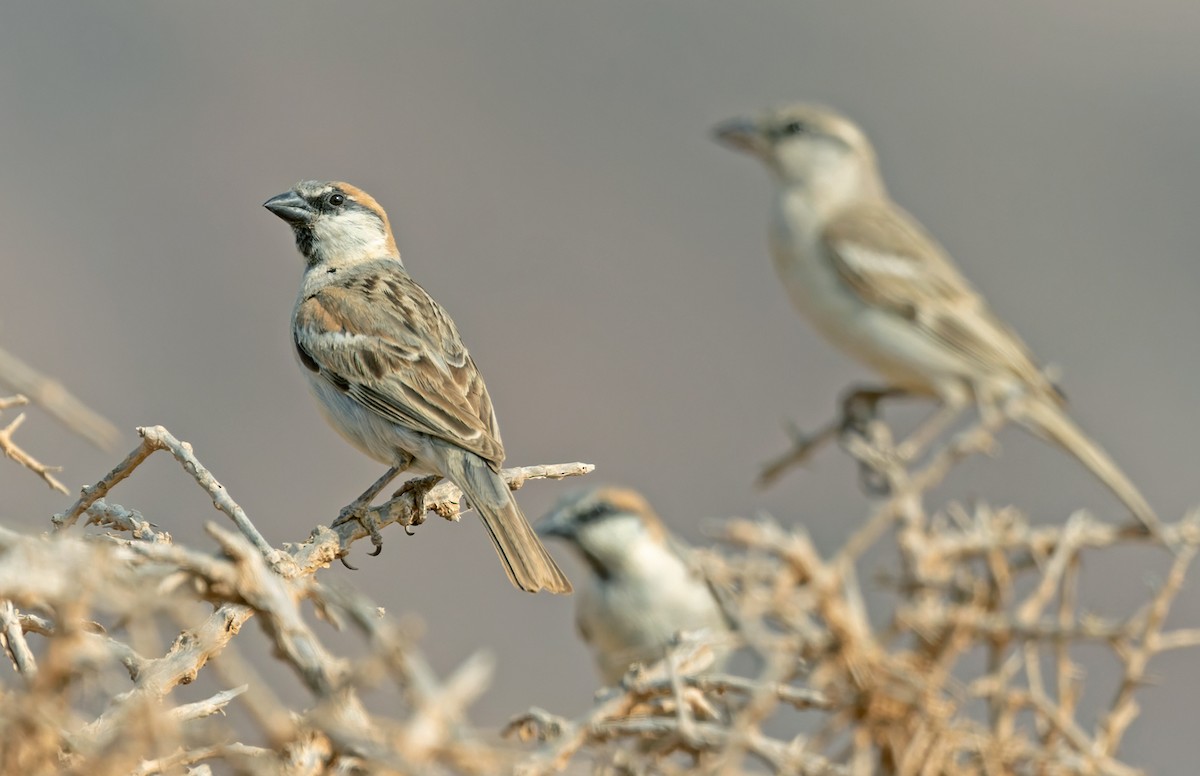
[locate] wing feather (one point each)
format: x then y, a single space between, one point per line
381 339
885 258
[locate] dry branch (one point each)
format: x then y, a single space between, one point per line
54 398
247 579
896 695
12 450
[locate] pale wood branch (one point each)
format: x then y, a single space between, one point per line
54 398
893 694
12 450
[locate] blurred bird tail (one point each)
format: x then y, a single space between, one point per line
528 564
1048 421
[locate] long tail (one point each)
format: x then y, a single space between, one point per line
526 561
1049 421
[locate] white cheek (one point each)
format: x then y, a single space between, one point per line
350 235
612 538
837 176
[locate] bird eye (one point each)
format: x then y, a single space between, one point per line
594 513
795 128
335 199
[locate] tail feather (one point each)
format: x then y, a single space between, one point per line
1049 421
526 561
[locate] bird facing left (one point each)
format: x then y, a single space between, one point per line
390 372
645 587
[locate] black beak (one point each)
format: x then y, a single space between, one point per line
552 527
739 134
291 207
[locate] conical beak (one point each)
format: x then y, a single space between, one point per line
740 135
291 207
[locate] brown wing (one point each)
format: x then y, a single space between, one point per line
380 338
884 257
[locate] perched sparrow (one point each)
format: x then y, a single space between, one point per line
390 371
872 281
642 590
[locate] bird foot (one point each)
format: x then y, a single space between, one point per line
419 488
875 471
870 443
361 513
359 510
859 420
868 439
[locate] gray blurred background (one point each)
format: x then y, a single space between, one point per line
549 172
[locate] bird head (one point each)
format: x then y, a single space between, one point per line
613 529
807 146
335 223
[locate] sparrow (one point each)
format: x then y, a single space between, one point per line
390 372
873 282
643 589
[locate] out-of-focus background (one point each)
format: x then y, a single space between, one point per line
550 176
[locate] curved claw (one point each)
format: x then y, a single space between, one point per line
419 488
367 519
872 481
346 563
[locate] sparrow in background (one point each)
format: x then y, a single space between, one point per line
874 283
642 590
390 372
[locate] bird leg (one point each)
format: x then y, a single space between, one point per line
859 408
358 510
881 454
873 467
860 416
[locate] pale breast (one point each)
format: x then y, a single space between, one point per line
634 621
878 338
368 431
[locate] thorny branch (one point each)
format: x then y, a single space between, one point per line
12 450
892 696
897 697
55 399
151 578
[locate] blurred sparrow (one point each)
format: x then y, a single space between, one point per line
872 281
390 372
642 590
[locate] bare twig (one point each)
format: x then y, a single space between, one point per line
12 450
14 641
52 396
207 707
894 694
